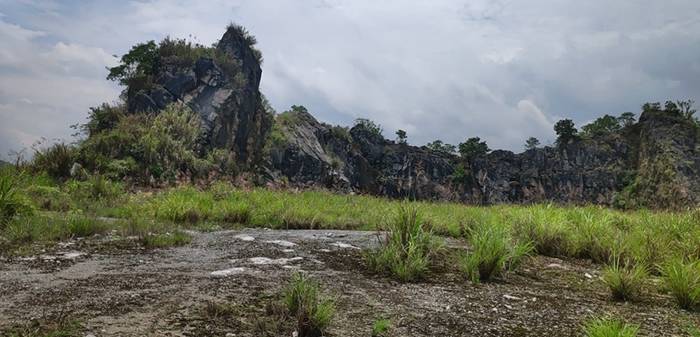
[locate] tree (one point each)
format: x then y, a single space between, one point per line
401 136
566 131
369 125
686 109
140 62
626 119
438 146
532 143
473 148
601 126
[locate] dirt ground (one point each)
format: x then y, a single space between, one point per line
115 288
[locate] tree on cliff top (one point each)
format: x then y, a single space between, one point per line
370 125
601 126
532 143
566 131
473 148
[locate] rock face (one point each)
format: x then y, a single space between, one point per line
653 163
222 90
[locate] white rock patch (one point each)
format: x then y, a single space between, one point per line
266 260
244 237
282 243
226 272
343 245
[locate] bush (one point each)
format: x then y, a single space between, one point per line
94 188
49 198
625 281
492 253
312 312
56 160
608 327
407 249
12 201
682 279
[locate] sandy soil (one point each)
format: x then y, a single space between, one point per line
115 288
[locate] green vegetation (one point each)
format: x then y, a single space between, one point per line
473 148
381 327
177 238
406 251
532 143
439 146
608 327
493 251
401 137
312 311
566 131
369 125
12 201
625 281
682 279
41 328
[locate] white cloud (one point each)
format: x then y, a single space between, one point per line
502 70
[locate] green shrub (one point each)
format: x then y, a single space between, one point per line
94 188
381 327
493 252
49 198
56 160
682 279
80 226
312 311
624 280
547 229
12 201
608 327
407 249
174 239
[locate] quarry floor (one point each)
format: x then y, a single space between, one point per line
118 289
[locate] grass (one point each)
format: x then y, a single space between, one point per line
381 327
492 253
406 250
312 311
682 280
608 327
40 328
12 201
164 240
625 281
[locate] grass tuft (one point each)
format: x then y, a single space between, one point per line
407 249
312 311
174 239
493 252
12 201
608 327
381 327
625 281
682 279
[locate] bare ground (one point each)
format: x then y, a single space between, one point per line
116 288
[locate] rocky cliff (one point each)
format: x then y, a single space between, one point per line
222 87
653 163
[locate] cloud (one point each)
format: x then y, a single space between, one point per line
502 70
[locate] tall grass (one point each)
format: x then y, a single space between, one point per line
493 251
312 311
682 279
624 280
12 201
406 250
608 327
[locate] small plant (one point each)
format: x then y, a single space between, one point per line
215 310
56 160
381 327
12 202
682 279
624 280
407 249
80 226
175 239
313 312
608 327
492 253
693 331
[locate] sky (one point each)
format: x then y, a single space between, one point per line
440 69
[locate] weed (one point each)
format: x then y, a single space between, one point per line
81 226
215 310
682 279
407 249
381 327
608 327
492 253
624 280
174 239
12 201
313 312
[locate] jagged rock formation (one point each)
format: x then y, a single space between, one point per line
653 163
223 90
